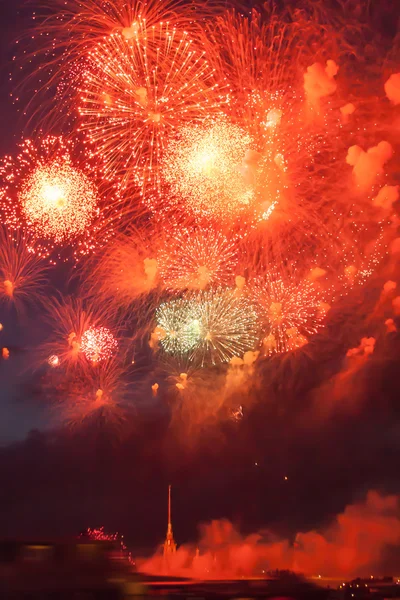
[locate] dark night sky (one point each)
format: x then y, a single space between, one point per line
52 484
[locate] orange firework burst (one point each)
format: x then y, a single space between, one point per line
52 197
98 344
65 33
196 258
290 309
137 90
218 170
126 271
79 335
266 50
97 393
22 273
293 155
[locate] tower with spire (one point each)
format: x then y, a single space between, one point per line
169 544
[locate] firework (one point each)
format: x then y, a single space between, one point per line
100 393
100 535
226 140
294 163
206 168
266 49
228 326
197 258
22 272
52 197
126 271
290 309
53 361
97 344
56 50
137 91
79 335
270 177
236 414
177 329
358 244
211 326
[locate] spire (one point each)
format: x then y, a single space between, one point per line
169 544
169 507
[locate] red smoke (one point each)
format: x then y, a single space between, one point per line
354 544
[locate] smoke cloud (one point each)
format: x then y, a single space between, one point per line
386 197
367 166
346 111
319 81
392 88
355 543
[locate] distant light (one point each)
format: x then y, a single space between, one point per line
286 478
53 361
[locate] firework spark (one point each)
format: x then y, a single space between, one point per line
53 361
100 535
98 343
197 258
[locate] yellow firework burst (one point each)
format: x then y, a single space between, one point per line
50 192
